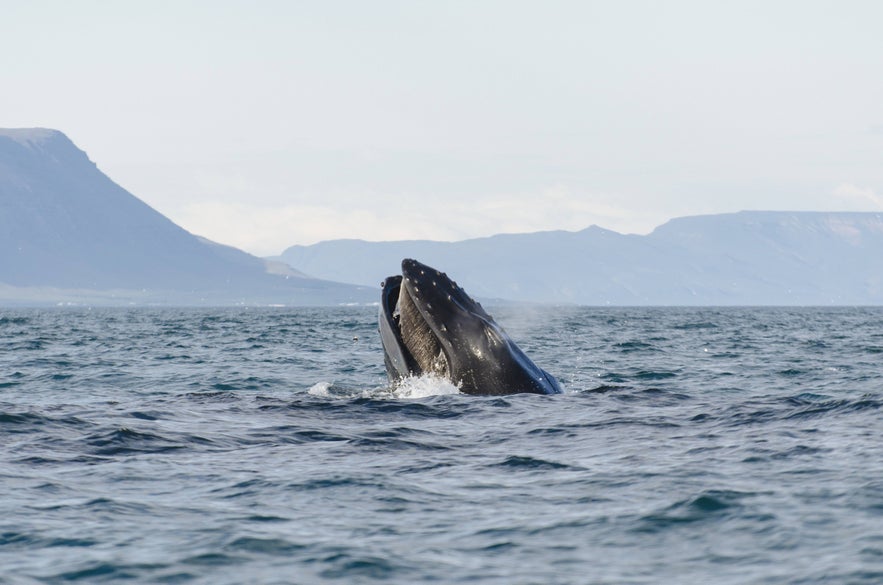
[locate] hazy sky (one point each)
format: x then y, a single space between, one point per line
264 124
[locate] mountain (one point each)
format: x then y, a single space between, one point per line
745 258
68 232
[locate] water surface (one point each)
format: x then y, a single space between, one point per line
264 446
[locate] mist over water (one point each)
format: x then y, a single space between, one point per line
736 445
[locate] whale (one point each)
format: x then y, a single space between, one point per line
430 326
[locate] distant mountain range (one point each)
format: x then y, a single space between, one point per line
746 258
70 234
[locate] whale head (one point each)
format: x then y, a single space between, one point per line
430 325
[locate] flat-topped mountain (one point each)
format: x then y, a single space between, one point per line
65 225
746 258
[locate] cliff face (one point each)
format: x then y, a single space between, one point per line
64 224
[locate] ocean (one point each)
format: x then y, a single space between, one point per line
263 445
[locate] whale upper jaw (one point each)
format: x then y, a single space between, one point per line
429 324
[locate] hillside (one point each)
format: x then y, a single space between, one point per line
68 231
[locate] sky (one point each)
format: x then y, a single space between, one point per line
263 124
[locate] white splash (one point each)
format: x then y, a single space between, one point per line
409 388
320 389
423 386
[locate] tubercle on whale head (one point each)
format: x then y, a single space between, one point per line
433 287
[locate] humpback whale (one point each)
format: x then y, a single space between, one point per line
429 325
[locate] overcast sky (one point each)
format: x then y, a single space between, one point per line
264 124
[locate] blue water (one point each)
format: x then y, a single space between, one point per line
263 446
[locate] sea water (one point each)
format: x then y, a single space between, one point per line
245 445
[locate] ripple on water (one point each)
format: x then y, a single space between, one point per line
709 505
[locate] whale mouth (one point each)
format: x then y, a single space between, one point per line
430 325
419 348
